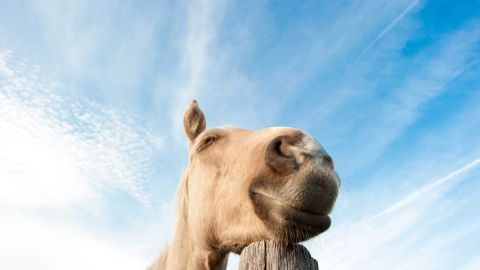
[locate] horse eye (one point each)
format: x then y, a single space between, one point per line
207 142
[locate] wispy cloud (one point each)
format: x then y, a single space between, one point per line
74 148
388 27
37 239
427 189
473 264
65 156
87 137
384 240
28 243
203 18
396 102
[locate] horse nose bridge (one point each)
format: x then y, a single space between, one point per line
310 147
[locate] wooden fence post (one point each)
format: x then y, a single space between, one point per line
270 255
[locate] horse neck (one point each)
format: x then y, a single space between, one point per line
184 253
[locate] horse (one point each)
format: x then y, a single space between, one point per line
243 186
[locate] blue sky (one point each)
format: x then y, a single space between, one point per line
91 102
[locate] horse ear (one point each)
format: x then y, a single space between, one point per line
194 121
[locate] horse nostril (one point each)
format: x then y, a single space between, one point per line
278 145
281 148
279 157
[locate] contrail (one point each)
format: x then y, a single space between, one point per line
389 26
428 187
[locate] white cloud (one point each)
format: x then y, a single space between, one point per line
77 150
196 56
395 102
386 239
404 12
424 191
474 264
58 156
28 243
402 236
57 151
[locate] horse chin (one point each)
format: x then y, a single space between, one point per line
285 222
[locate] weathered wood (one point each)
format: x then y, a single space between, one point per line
270 255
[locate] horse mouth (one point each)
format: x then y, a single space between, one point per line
279 214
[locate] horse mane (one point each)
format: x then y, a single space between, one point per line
182 200
182 214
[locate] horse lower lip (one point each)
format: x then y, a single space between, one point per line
290 213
